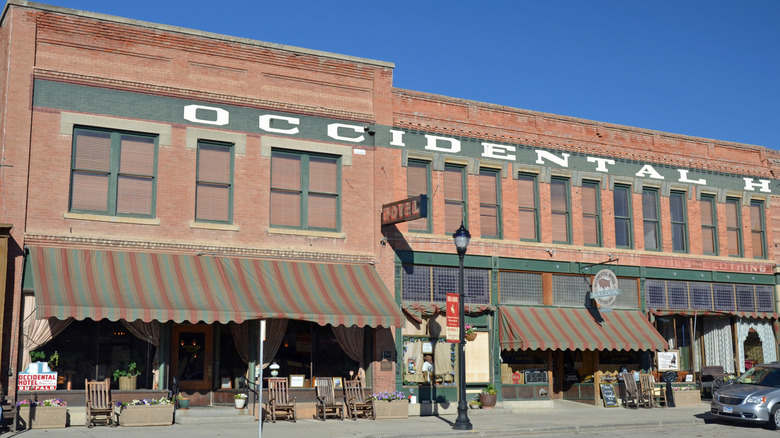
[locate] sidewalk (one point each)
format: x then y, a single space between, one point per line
563 417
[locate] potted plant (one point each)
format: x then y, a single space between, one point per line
127 376
488 396
471 332
240 400
389 405
475 404
46 414
145 412
183 401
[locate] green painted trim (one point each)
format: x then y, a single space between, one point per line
439 259
724 277
710 276
150 107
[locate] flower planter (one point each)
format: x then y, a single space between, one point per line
687 398
488 400
183 403
146 415
471 336
390 409
127 382
240 402
42 417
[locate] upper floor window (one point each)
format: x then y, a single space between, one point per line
214 182
490 202
528 205
734 227
113 172
305 190
709 225
621 197
418 182
679 221
455 207
758 229
561 214
591 213
651 220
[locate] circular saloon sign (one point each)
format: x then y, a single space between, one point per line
605 289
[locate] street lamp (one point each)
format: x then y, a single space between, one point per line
461 238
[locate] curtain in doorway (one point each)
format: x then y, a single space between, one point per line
764 330
37 332
274 333
149 332
351 340
718 347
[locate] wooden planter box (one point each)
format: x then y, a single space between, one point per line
390 409
146 415
42 417
690 397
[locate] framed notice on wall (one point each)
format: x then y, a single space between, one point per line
668 360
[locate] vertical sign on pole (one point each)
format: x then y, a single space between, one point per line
453 318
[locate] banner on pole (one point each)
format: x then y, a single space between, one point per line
453 318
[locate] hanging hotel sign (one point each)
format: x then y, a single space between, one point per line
37 377
407 210
453 318
605 289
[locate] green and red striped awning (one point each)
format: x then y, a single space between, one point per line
117 285
563 328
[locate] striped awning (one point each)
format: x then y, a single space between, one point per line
559 328
418 310
117 285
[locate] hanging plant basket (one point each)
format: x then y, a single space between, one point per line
471 336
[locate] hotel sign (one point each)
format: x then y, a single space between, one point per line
407 210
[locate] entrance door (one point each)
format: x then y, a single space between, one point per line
192 355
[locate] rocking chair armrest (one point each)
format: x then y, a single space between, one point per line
320 399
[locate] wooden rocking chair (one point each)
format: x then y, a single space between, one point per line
326 399
279 401
357 405
99 402
633 395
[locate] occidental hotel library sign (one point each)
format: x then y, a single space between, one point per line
125 104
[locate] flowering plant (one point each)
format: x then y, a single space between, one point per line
48 402
387 396
470 329
146 402
239 395
52 402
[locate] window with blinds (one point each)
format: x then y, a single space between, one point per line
709 225
214 183
113 172
679 221
758 229
621 198
455 207
490 203
305 190
591 213
734 227
693 295
528 206
561 213
651 220
418 182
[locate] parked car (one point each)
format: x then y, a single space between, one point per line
753 397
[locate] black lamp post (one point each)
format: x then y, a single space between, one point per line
461 237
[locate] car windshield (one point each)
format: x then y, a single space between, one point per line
762 376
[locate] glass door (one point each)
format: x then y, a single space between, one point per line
192 356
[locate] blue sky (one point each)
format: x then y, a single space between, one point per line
702 68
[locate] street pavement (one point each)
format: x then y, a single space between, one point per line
563 417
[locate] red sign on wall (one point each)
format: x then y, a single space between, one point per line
453 318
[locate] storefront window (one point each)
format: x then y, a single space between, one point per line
428 361
312 350
677 331
93 350
523 366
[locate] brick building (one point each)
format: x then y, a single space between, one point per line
166 188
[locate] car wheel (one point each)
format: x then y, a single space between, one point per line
774 420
